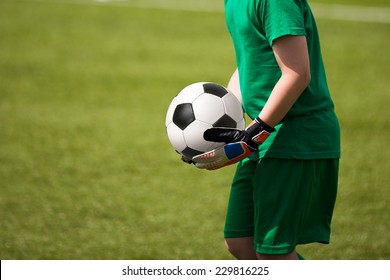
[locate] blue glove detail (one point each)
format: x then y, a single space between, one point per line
233 150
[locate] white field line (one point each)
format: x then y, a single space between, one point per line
352 13
324 11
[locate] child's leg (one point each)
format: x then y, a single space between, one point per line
239 218
241 248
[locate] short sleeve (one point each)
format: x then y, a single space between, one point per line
280 18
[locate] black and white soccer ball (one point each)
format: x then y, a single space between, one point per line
195 109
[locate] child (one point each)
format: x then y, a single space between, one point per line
285 185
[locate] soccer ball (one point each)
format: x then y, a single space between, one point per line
195 109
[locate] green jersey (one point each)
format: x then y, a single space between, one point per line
310 129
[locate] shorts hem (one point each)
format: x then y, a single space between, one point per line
286 249
303 241
274 250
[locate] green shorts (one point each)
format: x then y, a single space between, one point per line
282 202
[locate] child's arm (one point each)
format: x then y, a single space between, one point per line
234 85
292 57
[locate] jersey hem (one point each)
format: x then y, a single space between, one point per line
313 155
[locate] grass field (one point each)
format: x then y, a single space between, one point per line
86 170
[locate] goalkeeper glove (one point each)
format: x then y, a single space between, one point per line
239 144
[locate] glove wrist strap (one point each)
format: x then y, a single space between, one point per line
258 131
264 125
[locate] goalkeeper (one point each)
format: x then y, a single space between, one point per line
284 189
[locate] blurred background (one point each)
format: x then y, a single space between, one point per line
86 169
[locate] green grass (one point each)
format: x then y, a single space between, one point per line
86 170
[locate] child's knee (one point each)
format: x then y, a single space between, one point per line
241 248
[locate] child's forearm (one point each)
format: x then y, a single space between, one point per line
234 85
285 93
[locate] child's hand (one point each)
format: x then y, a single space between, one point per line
239 144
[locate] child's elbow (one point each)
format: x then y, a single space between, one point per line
305 78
